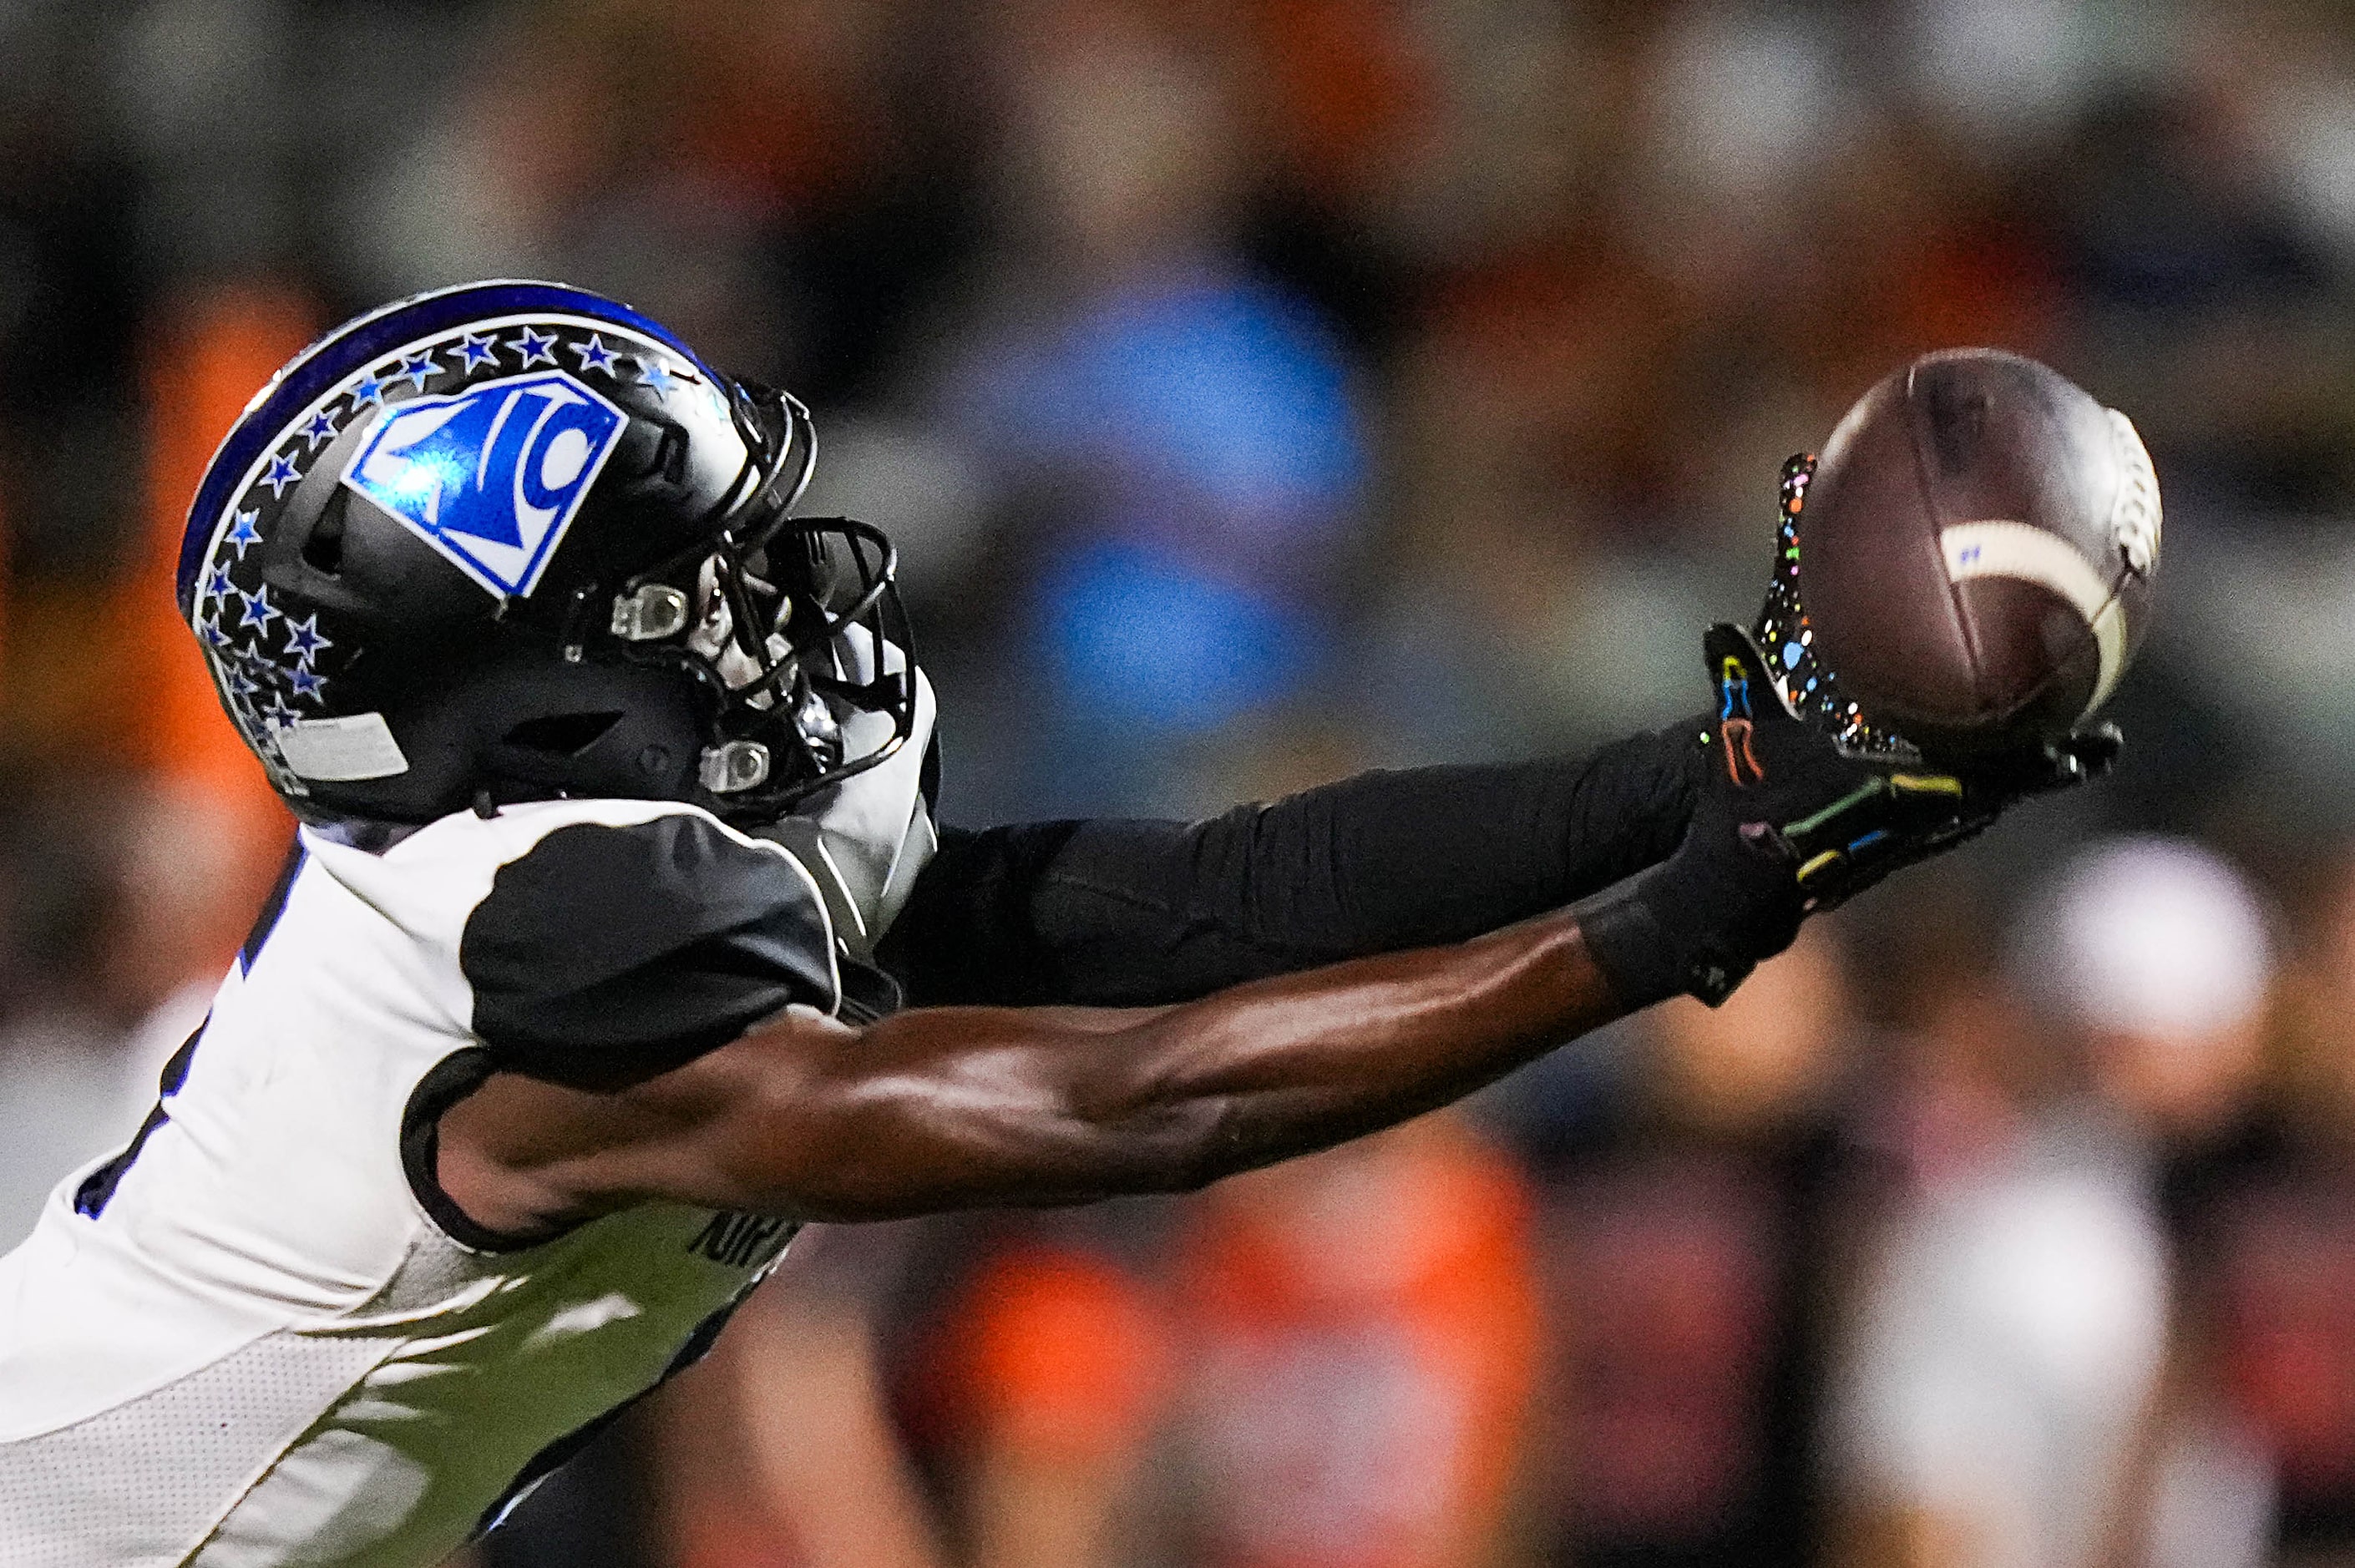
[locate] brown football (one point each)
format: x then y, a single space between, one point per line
1978 542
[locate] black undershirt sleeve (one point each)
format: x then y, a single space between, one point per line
1114 913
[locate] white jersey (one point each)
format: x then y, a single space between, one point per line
262 1335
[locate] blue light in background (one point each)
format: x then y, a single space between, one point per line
1215 388
1231 386
1144 642
1210 421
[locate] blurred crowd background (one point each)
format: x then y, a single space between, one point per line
1264 389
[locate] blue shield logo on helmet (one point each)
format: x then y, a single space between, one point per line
493 475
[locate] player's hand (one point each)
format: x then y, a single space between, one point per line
1889 816
1788 824
1840 822
1912 814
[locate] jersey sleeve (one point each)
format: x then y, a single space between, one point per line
609 954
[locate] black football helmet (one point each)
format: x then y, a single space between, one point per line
514 541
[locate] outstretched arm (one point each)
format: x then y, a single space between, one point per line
941 1108
1117 913
944 1108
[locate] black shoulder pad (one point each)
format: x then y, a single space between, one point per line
608 955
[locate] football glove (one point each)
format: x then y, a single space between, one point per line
1790 821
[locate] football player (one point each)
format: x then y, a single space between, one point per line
619 940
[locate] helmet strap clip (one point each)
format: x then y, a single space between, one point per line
733 766
655 610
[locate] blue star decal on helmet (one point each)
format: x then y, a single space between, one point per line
308 683
595 354
654 373
282 473
417 370
210 631
304 641
535 346
319 430
243 532
242 684
258 612
281 713
217 583
477 348
370 391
